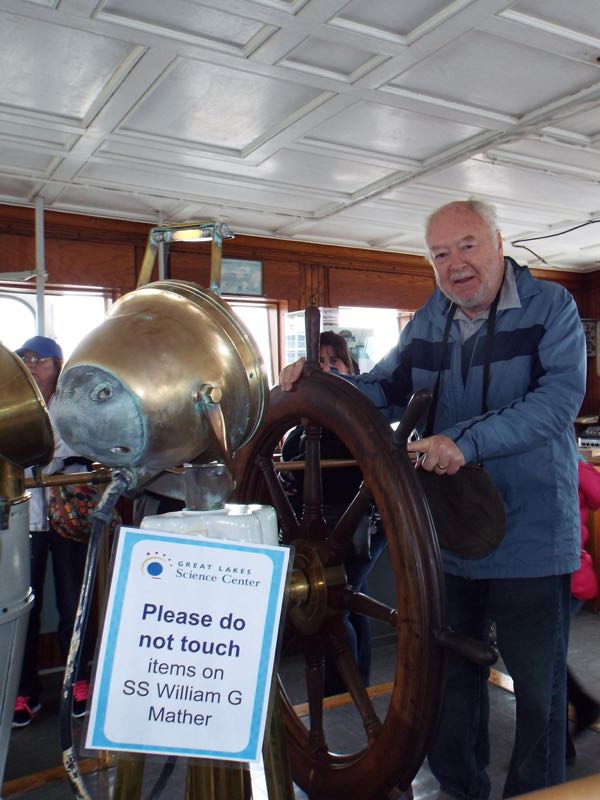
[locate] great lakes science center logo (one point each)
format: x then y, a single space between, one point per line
154 565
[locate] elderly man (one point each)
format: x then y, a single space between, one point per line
504 354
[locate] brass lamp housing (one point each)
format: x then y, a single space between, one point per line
170 373
25 431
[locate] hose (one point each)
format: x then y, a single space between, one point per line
163 778
101 517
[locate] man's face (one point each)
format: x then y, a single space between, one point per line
467 259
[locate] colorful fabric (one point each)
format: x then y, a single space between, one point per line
584 583
70 510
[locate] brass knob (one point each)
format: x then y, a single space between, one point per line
211 393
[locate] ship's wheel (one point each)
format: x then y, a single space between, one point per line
390 744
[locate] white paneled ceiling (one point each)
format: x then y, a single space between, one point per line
335 121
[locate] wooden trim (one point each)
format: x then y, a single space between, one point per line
36 780
107 253
499 679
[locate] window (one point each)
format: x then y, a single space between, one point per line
73 314
17 320
262 320
69 316
370 332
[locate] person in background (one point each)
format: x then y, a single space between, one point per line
44 359
339 488
584 587
504 356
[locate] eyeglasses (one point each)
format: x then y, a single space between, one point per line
33 360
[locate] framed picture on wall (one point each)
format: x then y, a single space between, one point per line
589 328
241 276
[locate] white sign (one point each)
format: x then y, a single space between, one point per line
188 646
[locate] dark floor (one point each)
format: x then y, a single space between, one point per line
35 750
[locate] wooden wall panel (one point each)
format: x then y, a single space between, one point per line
190 265
282 280
91 251
368 288
107 265
17 253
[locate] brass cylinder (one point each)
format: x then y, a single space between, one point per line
130 772
101 475
299 588
232 783
278 773
25 430
12 483
199 781
206 781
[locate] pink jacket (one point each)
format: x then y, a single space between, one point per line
584 584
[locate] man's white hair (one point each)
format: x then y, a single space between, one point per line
486 211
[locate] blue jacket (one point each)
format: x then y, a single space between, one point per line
526 439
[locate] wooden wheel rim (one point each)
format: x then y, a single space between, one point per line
394 754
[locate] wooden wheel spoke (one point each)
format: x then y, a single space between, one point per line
287 519
312 511
343 532
315 681
359 603
349 673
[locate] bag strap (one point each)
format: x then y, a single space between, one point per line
436 389
487 357
487 353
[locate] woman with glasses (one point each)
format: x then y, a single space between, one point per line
44 359
339 487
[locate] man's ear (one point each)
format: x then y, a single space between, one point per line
500 244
